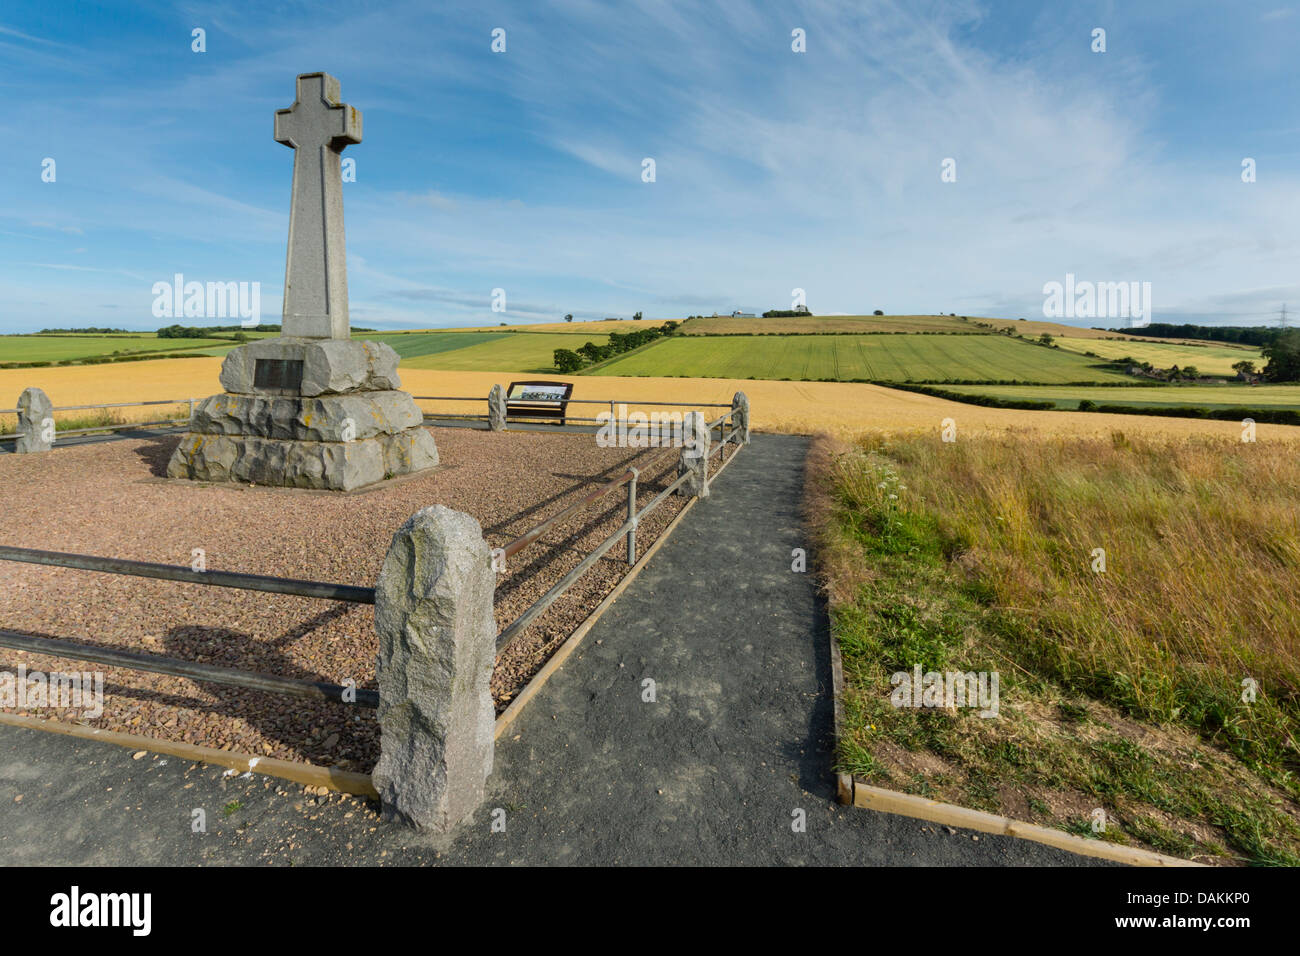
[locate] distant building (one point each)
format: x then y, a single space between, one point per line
743 315
802 309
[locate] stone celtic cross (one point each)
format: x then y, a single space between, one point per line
317 127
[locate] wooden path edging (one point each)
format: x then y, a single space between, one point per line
307 774
851 791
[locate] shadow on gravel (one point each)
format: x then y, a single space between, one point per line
322 731
156 451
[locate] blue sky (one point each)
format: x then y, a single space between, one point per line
775 170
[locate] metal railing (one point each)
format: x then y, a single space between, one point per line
210 673
172 572
159 664
626 530
110 426
340 592
613 403
574 401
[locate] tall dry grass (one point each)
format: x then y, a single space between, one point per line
1201 587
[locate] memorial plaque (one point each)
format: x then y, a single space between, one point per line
284 374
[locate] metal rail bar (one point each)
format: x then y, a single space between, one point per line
161 401
169 572
121 427
104 428
531 536
534 534
654 502
175 667
585 401
566 582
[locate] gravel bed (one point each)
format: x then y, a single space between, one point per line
111 499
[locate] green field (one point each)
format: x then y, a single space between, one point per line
1208 359
415 344
495 351
797 325
1157 396
882 358
57 348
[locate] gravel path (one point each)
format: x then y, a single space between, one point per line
110 498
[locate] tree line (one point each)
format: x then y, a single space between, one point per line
571 360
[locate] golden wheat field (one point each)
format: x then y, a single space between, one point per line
844 409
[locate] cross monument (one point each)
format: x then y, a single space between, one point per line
317 127
312 407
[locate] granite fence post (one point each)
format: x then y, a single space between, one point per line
437 648
740 418
35 421
497 408
694 458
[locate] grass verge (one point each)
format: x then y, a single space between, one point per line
1122 699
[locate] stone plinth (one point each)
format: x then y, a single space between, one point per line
329 366
333 418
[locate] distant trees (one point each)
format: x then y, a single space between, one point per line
1244 368
1258 335
785 313
636 316
568 360
1045 339
877 312
182 332
1283 355
89 330
568 317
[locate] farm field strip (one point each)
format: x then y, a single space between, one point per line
534 353
571 328
414 345
896 358
55 348
1204 396
794 325
846 409
1208 359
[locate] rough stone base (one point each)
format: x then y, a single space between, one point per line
328 418
334 465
